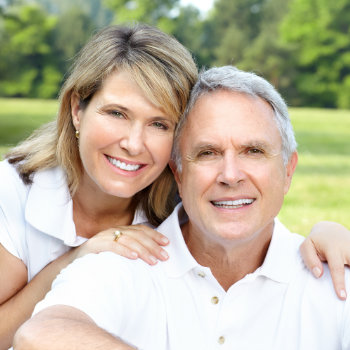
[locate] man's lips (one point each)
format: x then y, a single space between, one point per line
233 204
124 165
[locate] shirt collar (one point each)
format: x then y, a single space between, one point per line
181 261
280 264
49 207
282 258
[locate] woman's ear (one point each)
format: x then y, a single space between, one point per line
75 110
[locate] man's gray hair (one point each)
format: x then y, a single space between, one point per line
232 79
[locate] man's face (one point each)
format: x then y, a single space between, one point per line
233 179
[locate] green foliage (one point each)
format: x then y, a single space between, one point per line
301 46
252 40
25 48
319 31
192 31
37 47
154 12
71 32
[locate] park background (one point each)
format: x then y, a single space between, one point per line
301 46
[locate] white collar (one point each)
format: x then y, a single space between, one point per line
181 261
49 207
280 264
282 259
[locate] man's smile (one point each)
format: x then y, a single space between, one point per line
233 204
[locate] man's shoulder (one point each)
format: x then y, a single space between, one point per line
109 266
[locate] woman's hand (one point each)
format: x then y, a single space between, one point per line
330 242
135 241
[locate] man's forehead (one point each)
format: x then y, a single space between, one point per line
226 105
221 97
221 115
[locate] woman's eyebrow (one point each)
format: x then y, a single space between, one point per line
116 105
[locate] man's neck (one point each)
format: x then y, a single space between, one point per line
229 263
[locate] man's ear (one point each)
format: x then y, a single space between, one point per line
177 175
290 168
75 110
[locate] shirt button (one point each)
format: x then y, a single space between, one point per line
221 340
201 274
214 300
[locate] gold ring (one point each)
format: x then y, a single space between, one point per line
117 235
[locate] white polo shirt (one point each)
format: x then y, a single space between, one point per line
36 221
179 305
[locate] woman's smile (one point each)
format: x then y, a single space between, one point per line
125 165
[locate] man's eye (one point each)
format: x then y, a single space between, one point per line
206 153
160 125
255 151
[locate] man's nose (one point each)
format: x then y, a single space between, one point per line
231 170
133 142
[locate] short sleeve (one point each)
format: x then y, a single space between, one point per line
12 224
6 240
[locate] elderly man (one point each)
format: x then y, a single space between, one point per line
235 279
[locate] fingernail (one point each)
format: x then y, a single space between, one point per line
164 254
133 254
165 240
316 271
342 294
153 259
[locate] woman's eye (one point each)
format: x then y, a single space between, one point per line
160 125
116 114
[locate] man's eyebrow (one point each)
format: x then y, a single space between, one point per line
203 146
257 144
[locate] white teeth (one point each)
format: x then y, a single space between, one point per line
124 166
233 204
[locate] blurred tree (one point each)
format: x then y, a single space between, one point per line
25 52
237 24
248 36
186 23
72 30
192 31
159 13
319 32
93 9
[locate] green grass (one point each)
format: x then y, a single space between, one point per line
321 185
19 117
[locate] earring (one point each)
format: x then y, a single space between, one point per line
77 134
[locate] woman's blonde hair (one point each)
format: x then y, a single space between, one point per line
163 69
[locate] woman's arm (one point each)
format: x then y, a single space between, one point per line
17 298
330 242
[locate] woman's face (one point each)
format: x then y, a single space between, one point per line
125 141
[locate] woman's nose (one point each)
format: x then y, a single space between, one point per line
133 140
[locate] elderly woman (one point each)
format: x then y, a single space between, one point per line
80 182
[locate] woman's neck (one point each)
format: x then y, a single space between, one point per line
95 211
